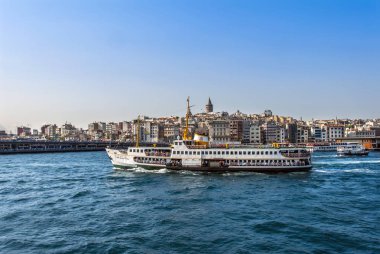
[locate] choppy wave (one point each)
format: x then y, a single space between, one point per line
345 162
353 170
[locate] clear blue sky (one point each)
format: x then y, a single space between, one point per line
84 61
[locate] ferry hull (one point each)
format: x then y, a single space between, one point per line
267 170
119 166
354 154
137 165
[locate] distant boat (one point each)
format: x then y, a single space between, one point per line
327 147
352 149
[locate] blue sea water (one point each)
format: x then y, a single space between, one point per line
77 203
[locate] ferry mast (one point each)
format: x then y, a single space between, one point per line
186 134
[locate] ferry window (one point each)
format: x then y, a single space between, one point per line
275 152
215 152
219 152
266 152
249 152
198 153
253 152
203 152
227 152
244 153
262 152
186 152
239 152
206 152
223 152
181 152
270 152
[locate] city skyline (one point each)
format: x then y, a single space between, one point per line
206 112
85 61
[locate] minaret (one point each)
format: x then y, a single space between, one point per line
209 106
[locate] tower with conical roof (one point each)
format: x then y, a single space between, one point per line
209 106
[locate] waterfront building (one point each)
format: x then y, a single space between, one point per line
51 131
272 133
316 133
35 132
334 132
219 131
246 131
43 129
93 127
255 133
126 127
23 131
112 128
171 132
282 135
302 134
236 130
156 132
291 134
67 129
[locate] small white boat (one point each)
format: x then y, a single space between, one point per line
352 149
